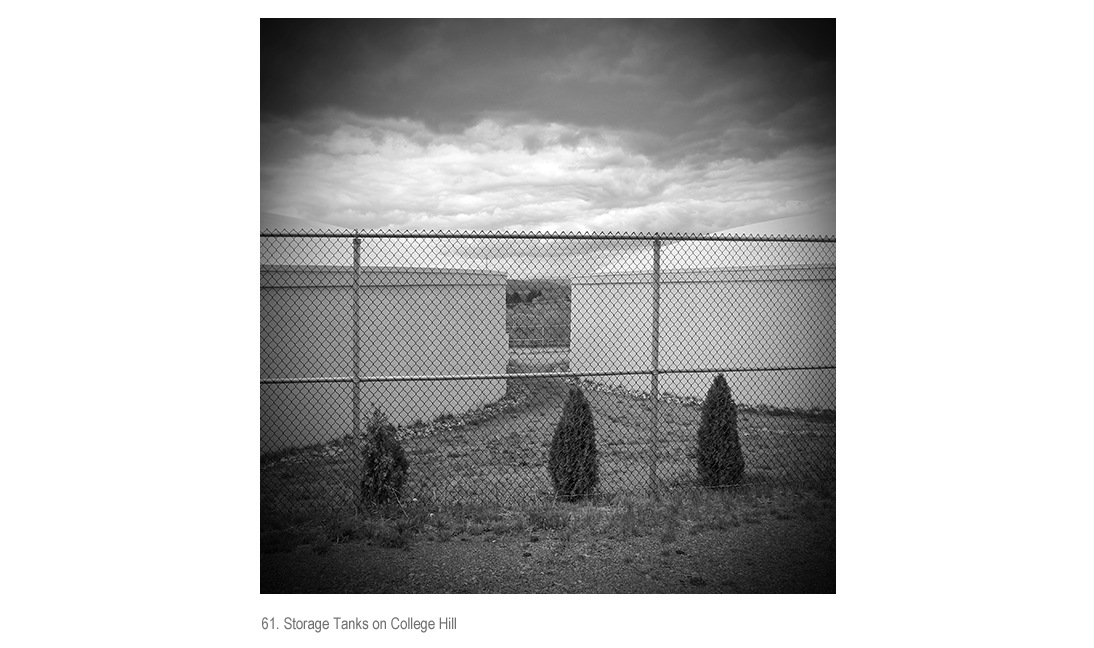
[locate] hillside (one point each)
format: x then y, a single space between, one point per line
548 289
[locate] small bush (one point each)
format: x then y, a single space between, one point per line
719 457
385 462
572 461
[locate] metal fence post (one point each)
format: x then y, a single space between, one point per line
655 485
301 347
357 335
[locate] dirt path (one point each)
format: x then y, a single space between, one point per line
503 458
769 555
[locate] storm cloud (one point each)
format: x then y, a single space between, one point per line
693 125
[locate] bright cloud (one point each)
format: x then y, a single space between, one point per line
371 173
548 125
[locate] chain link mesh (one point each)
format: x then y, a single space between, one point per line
469 345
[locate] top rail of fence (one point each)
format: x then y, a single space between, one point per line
616 236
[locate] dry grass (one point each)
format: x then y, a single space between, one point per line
669 518
492 472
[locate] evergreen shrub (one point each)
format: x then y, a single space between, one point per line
719 456
573 459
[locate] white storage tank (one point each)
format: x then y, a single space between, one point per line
730 318
723 304
412 322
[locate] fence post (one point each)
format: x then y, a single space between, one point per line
357 335
655 485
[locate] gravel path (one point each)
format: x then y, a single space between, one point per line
770 555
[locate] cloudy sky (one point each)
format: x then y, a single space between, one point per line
546 125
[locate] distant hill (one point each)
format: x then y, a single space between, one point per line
549 289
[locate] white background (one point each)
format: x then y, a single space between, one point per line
131 348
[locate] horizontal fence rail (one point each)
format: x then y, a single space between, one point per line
527 374
482 354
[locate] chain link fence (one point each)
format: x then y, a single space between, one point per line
469 343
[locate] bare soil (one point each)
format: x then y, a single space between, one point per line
784 553
496 458
499 455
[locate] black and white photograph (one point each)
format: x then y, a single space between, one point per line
544 343
543 347
548 306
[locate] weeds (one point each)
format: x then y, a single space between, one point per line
402 523
385 463
495 462
546 519
627 521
